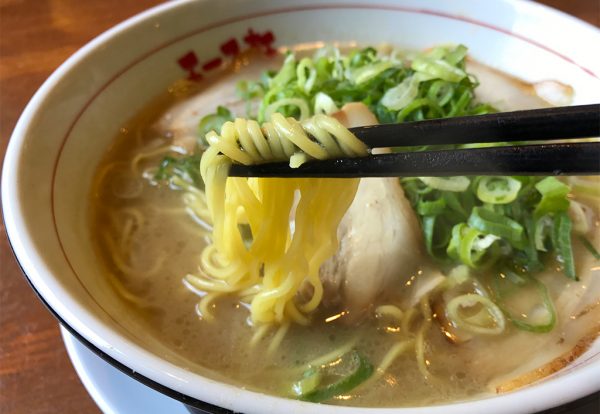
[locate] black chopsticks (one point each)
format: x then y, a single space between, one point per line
580 158
533 125
549 159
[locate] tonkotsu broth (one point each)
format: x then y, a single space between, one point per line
155 243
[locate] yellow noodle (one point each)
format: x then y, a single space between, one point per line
407 320
276 341
126 220
125 293
272 269
153 153
420 338
205 284
125 268
394 352
259 333
202 308
326 359
104 172
390 310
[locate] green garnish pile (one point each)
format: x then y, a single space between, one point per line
478 221
180 171
507 222
433 84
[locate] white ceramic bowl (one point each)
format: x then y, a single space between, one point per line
75 115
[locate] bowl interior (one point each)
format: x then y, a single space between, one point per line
75 117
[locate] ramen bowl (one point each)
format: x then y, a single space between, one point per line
73 118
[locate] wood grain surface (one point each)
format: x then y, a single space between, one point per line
36 36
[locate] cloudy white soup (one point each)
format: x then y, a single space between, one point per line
370 292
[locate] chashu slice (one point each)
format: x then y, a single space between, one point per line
380 239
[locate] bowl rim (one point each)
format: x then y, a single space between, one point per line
12 223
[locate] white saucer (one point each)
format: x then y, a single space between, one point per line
112 390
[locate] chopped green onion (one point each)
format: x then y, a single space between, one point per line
428 225
306 83
324 104
402 95
363 369
543 228
456 184
214 122
533 262
436 235
416 107
438 68
301 104
469 245
490 222
366 73
431 208
394 92
441 92
285 74
461 103
488 320
554 196
362 57
180 171
454 57
249 90
309 382
562 243
461 205
498 190
514 293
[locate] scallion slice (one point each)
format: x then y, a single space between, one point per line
306 74
515 295
455 184
469 245
308 383
214 122
554 196
498 190
324 104
490 222
431 208
438 68
543 228
363 369
562 242
402 95
300 103
487 320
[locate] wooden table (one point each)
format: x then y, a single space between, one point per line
36 36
